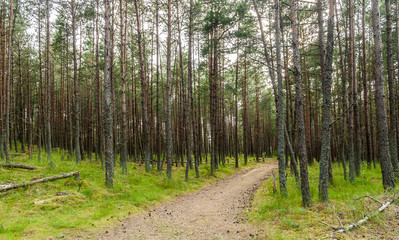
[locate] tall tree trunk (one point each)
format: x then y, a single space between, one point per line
365 89
40 114
123 156
144 99
344 95
108 121
76 87
99 149
48 97
325 156
190 103
382 124
280 106
280 117
392 89
351 75
306 198
158 137
168 96
8 82
236 107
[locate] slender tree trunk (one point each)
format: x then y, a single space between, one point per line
8 82
76 87
392 97
108 121
48 97
382 124
236 108
280 106
325 156
40 114
99 149
305 189
158 138
123 156
168 96
351 75
280 117
365 90
29 112
190 103
144 91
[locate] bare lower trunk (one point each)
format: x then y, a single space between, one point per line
382 124
305 189
108 121
168 97
325 157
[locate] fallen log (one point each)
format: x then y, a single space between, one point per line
47 179
16 165
363 220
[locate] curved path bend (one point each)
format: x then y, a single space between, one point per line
214 212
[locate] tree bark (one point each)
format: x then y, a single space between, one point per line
392 97
76 87
326 83
47 179
144 91
108 121
280 106
48 96
382 124
305 189
123 156
169 159
280 117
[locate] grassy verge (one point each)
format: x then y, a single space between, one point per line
285 218
90 206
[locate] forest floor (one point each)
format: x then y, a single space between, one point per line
215 212
285 218
90 208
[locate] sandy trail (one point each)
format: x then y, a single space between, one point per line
214 212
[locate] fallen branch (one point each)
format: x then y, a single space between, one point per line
335 228
365 219
372 198
16 165
47 179
53 198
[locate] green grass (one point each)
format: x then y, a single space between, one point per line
93 207
285 218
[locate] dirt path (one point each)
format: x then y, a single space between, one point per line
215 212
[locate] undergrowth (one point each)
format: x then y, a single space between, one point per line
90 206
285 218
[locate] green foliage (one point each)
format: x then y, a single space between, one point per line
286 216
90 204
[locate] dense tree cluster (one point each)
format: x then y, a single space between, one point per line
193 82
